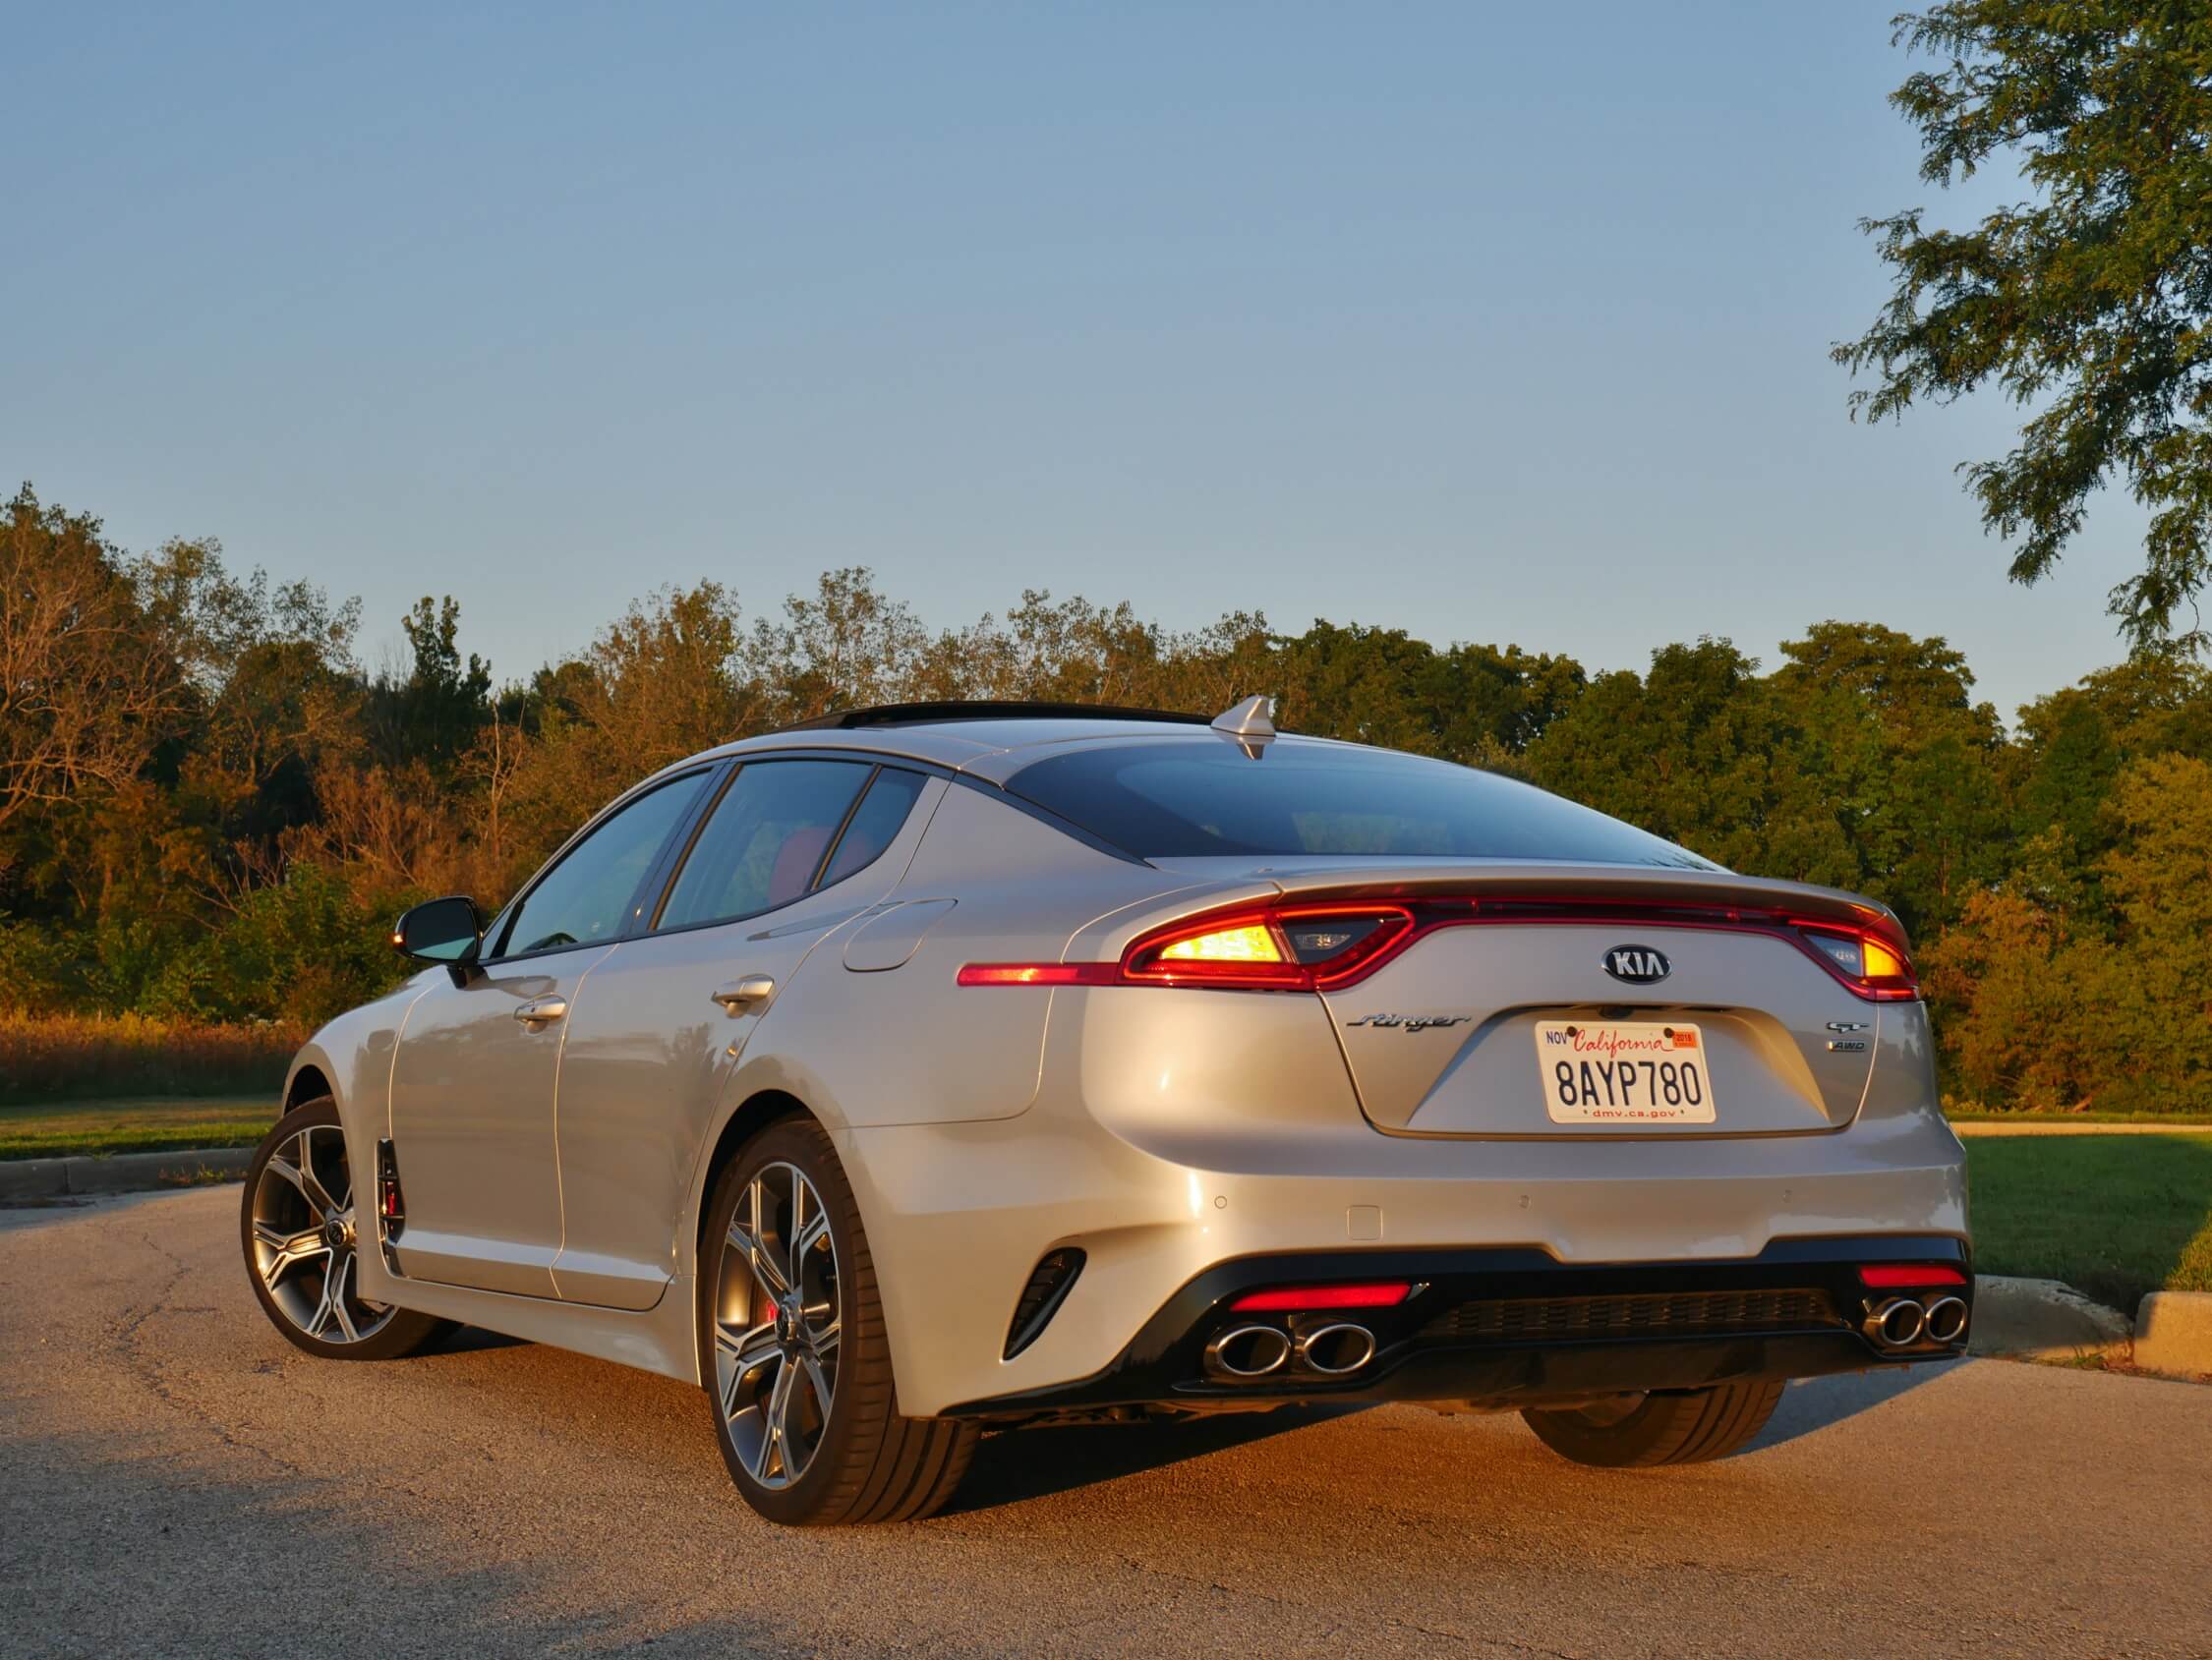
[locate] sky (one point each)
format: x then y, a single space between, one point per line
1494 324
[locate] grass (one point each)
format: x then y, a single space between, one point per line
2113 1216
133 1126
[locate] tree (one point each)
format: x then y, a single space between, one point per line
2092 300
86 689
434 713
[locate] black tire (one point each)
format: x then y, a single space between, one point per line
1688 1429
279 1210
861 1461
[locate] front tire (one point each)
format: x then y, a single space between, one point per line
800 1384
1688 1429
298 1226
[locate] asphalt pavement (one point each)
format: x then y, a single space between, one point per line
175 1479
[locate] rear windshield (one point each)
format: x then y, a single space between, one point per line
1185 799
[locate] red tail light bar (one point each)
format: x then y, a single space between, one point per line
1891 1276
1321 945
1292 1300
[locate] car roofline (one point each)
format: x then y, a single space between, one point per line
954 709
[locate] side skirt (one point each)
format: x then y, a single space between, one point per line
658 1340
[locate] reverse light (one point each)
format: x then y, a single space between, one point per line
1293 1299
1252 942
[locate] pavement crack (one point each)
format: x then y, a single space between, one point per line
149 1370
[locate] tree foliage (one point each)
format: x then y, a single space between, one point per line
2089 302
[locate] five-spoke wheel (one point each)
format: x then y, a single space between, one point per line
776 1325
800 1373
302 1235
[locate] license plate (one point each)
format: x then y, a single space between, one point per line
1623 1072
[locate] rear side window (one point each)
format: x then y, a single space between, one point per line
766 840
881 816
1184 799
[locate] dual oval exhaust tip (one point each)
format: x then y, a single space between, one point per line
1333 1350
1901 1322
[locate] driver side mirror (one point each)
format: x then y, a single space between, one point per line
446 931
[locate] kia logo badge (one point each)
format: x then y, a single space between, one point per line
1639 965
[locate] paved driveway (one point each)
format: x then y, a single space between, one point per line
176 1478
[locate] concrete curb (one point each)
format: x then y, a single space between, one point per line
2173 1334
120 1172
2044 1320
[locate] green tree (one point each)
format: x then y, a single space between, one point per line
2091 302
434 713
1687 751
1889 753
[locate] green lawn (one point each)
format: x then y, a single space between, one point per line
2115 1216
133 1126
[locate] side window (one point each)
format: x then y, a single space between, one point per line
875 823
765 843
585 899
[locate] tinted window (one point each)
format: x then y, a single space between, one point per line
1180 799
587 895
765 841
883 811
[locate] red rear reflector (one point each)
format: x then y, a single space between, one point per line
1888 1275
1038 974
1287 1299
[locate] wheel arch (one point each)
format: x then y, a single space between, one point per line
755 1114
307 1080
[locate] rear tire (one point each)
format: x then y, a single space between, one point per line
1688 1429
298 1225
798 1377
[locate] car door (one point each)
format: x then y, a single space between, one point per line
790 850
473 1081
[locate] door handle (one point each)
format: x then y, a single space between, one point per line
753 989
539 1010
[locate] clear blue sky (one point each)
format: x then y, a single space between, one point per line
1497 324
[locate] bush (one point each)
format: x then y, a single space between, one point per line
65 1057
298 952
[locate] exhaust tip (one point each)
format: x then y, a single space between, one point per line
1248 1351
1947 1320
1337 1350
1896 1324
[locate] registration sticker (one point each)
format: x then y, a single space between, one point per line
1623 1072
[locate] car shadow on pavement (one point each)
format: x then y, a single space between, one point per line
1020 1464
1812 1404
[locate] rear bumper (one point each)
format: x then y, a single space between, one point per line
1514 1327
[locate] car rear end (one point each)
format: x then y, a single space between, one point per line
1489 1125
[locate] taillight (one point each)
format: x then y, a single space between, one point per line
1323 944
1295 948
1891 1276
1870 963
1289 1299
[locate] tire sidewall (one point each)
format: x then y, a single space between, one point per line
802 1144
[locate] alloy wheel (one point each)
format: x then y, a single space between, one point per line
304 1241
776 1325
